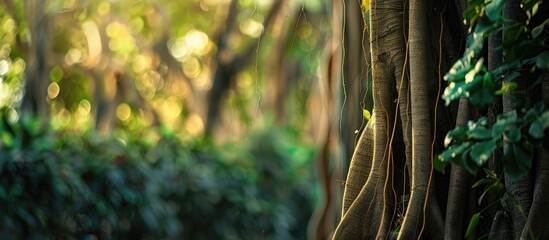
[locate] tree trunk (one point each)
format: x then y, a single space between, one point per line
37 71
520 190
420 73
362 220
460 185
540 204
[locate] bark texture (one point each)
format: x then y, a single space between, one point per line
420 73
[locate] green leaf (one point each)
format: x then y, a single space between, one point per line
511 35
514 135
6 140
457 135
366 114
481 152
472 224
481 182
517 160
503 122
439 164
508 87
527 5
453 152
537 129
482 91
466 162
542 60
490 173
454 91
493 10
480 133
536 31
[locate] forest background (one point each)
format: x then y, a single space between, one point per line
239 119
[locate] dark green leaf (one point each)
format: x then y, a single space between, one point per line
514 135
472 224
538 127
458 71
454 91
493 10
481 182
482 90
466 162
503 122
511 35
490 173
527 5
458 135
439 164
536 31
479 201
481 152
453 152
542 60
517 160
480 133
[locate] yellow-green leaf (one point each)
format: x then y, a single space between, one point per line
366 114
366 5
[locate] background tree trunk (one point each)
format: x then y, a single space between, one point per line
37 71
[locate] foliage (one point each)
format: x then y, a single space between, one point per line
524 46
62 184
471 146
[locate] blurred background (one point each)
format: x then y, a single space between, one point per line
160 119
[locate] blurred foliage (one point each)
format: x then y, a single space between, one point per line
165 51
123 154
69 185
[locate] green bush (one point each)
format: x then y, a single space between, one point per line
72 186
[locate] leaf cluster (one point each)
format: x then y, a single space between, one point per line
524 47
472 145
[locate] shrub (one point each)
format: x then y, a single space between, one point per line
73 186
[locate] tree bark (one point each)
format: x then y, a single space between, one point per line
420 73
362 220
460 184
540 202
520 190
